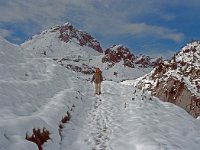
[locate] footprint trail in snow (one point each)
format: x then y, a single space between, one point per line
99 123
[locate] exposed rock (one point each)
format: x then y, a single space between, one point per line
177 81
175 91
146 61
67 32
117 53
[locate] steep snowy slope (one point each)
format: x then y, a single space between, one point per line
34 93
178 81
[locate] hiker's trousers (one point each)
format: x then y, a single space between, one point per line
98 88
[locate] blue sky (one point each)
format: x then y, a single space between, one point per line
153 27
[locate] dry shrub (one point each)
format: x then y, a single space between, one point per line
64 120
39 137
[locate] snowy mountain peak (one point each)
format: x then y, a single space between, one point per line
61 41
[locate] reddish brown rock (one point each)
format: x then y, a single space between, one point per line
118 53
68 32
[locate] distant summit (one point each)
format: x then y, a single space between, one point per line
60 41
177 80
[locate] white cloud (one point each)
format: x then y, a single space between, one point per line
142 29
106 17
174 36
165 54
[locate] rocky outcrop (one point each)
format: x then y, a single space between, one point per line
175 91
117 53
178 80
145 61
76 64
67 32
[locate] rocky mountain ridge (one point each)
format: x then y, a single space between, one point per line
177 80
117 53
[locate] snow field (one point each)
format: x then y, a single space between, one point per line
124 119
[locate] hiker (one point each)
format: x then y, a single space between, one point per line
97 78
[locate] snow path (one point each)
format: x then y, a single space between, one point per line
101 119
104 116
125 118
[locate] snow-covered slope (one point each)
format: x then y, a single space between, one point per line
178 80
125 118
37 93
34 93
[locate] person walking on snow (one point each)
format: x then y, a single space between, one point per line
97 78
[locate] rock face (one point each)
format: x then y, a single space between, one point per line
67 32
117 53
177 81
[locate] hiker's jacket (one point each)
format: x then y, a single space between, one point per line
97 77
